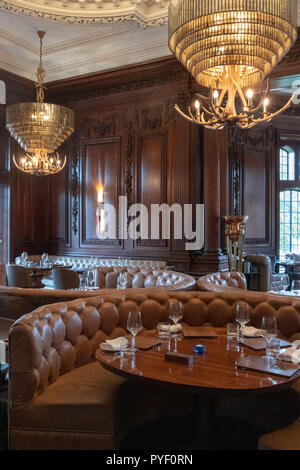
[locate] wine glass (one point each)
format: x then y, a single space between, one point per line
45 258
90 278
175 311
284 282
82 282
242 316
24 257
268 332
134 325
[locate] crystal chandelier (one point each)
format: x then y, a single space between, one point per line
40 128
230 46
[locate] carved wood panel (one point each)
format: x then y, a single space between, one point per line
151 177
57 193
101 165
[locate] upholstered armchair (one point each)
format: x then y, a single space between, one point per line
18 276
65 279
267 279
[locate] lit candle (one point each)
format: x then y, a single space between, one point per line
197 106
100 195
250 97
216 97
266 104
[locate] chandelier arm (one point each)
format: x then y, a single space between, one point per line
202 98
240 92
208 112
268 88
191 114
184 115
272 115
222 96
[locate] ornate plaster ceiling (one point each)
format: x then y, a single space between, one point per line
144 12
82 36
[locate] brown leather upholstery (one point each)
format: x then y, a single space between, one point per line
53 379
283 439
212 282
84 261
139 278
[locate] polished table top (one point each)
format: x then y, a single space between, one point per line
215 371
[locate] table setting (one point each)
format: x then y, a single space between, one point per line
200 357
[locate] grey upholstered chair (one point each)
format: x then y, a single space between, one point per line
65 279
18 276
267 279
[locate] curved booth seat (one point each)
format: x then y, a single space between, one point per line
61 398
15 302
84 261
138 278
220 282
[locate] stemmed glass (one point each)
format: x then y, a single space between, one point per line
82 282
268 332
242 316
90 278
44 259
175 312
24 257
285 282
134 325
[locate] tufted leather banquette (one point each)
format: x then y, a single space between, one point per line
215 281
15 302
84 261
60 398
139 278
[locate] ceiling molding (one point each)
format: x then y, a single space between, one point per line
145 14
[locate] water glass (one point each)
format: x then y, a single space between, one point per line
273 348
163 330
82 282
232 330
268 331
296 287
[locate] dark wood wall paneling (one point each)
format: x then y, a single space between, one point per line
11 184
129 137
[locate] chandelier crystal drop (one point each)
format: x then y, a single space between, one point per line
40 128
230 46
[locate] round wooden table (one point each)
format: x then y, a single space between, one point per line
214 372
211 375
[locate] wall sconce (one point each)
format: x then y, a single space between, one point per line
100 213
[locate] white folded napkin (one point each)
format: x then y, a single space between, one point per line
290 355
114 344
251 332
173 328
